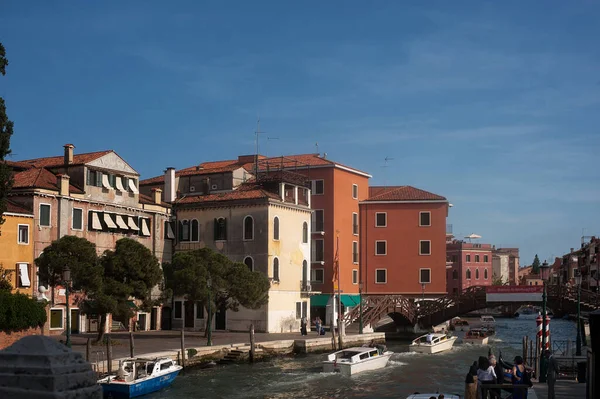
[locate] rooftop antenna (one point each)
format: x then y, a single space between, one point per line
317 146
385 165
269 139
257 133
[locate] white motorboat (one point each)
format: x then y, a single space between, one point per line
477 336
429 395
487 321
432 343
351 361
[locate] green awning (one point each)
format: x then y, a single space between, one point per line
350 300
319 301
131 304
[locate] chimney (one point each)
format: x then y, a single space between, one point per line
157 195
170 184
63 184
68 154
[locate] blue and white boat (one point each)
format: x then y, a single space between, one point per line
139 376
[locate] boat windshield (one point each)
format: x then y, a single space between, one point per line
347 354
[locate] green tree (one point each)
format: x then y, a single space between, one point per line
497 280
232 283
5 284
6 131
535 266
19 312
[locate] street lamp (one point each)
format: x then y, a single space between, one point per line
209 326
67 282
360 309
544 270
578 283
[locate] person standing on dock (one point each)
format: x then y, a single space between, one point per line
471 383
552 375
318 325
303 326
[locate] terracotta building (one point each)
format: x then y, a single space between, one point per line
403 242
94 196
471 265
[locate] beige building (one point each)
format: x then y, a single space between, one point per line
500 267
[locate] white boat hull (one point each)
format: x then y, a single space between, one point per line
476 341
433 348
348 369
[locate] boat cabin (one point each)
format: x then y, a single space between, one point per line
353 355
435 339
135 369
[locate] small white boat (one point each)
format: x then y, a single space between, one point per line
139 376
351 361
429 395
477 336
432 343
488 321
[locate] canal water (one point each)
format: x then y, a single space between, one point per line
406 373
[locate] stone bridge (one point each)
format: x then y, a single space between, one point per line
406 311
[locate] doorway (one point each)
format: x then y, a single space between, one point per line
165 319
189 314
142 321
154 319
74 321
221 318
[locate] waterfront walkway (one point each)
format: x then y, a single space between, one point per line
564 389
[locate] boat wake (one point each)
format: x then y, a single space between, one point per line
395 363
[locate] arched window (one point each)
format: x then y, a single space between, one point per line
305 233
468 274
455 274
220 229
195 230
476 274
248 228
184 230
485 274
304 274
276 228
276 269
248 261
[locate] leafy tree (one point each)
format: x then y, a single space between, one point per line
130 271
535 266
497 280
6 131
5 284
19 312
232 283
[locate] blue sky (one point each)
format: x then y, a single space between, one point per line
494 105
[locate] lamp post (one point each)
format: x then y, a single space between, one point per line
544 268
578 283
67 282
360 309
209 325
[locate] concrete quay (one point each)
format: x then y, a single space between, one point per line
563 389
168 344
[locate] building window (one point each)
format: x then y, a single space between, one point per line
355 223
195 230
424 218
305 233
184 230
424 247
77 222
178 310
476 258
485 274
424 276
380 276
199 310
318 276
468 274
355 252
380 219
24 280
355 191
354 276
380 247
56 319
220 229
23 237
476 274
248 261
485 259
169 233
318 251
455 274
298 310
248 228
45 215
318 221
318 187
276 228
468 258
276 269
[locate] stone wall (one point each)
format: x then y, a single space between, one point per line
7 339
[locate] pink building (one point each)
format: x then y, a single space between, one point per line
471 265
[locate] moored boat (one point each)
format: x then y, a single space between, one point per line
139 376
432 343
351 361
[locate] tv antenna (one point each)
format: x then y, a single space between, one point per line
317 146
385 165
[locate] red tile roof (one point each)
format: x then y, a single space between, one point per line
40 178
192 171
146 199
243 194
13 207
78 159
401 193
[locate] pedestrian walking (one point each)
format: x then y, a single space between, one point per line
303 326
318 325
552 375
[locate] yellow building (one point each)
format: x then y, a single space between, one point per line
16 248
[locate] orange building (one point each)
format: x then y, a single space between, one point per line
403 242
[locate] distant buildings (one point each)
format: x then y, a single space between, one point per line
510 273
471 265
585 260
16 243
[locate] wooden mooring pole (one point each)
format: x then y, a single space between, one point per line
251 343
182 349
108 354
131 345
